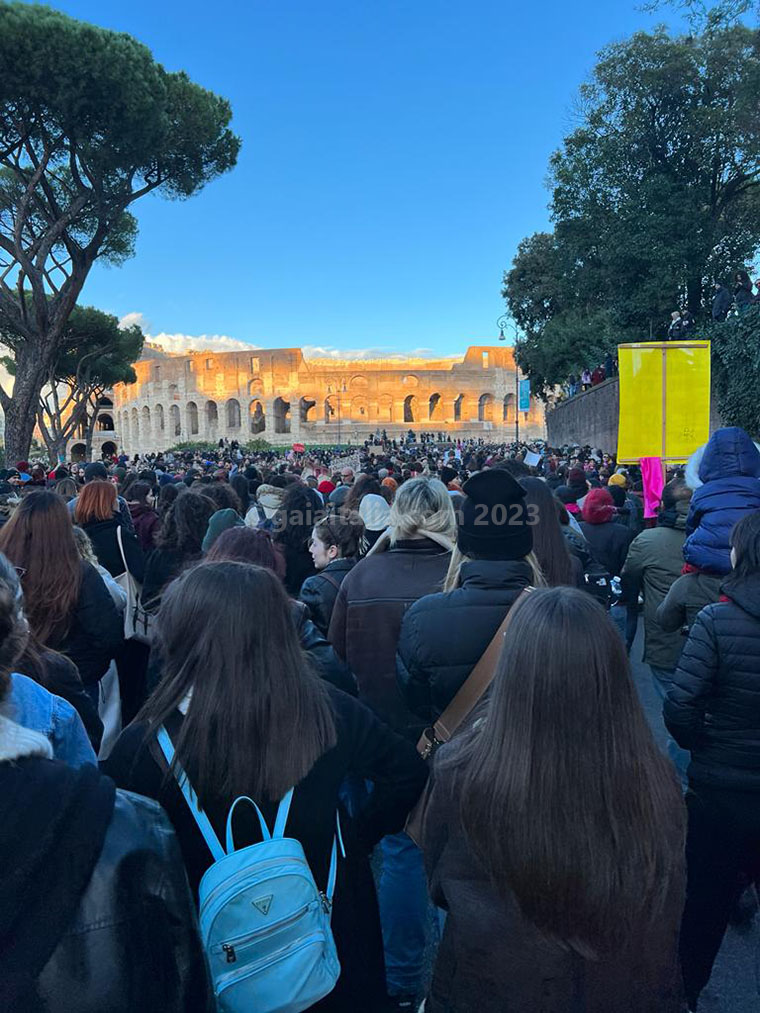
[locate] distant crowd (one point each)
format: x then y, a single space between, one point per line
277 726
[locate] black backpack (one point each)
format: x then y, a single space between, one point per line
598 581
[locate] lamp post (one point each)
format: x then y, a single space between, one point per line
340 389
506 321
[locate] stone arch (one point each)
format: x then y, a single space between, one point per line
460 403
160 417
411 380
78 452
331 409
233 413
108 449
173 392
125 429
105 402
434 408
254 387
385 408
359 382
281 409
359 409
105 422
192 418
508 414
175 425
145 423
306 409
256 417
485 408
410 408
212 416
135 430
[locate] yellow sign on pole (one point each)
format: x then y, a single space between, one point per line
664 400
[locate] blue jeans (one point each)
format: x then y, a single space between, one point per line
626 620
662 678
403 897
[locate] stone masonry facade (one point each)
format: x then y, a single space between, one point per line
280 396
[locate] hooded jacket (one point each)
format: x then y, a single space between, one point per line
95 913
653 563
730 473
146 522
713 707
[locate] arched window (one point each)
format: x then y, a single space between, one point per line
306 408
434 407
233 414
281 415
105 423
160 417
257 417
410 408
146 433
485 408
385 408
135 430
212 414
192 418
175 426
459 407
509 408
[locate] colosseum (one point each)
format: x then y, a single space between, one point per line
282 397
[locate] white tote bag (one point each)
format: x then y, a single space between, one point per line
136 619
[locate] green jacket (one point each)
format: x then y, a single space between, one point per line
654 562
686 599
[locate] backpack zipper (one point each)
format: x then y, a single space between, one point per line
230 947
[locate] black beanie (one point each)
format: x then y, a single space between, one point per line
493 520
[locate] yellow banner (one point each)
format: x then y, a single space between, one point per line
664 399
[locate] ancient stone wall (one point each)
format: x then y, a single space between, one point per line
590 417
279 396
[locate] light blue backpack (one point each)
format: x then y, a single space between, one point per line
264 923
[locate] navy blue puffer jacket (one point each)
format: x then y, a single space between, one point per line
713 707
730 470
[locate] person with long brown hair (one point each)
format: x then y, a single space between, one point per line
66 602
558 565
248 716
97 514
554 834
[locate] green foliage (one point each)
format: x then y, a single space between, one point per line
655 194
257 445
89 123
736 369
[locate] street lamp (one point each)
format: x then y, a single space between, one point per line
505 320
341 389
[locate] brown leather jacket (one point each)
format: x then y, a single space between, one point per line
366 620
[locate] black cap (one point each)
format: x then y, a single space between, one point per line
493 519
94 471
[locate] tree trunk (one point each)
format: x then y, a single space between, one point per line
694 297
21 409
91 422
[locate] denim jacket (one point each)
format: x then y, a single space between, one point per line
30 705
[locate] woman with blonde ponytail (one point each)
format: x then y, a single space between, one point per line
444 635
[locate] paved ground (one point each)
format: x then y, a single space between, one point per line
735 983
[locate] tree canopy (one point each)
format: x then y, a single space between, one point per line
654 195
89 123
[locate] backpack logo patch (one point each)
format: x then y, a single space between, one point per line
263 904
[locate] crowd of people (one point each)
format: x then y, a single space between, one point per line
217 671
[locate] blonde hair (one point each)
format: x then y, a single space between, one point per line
451 580
422 505
84 545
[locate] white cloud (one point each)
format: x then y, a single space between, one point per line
197 342
179 343
380 352
129 319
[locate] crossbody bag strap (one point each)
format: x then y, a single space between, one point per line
470 692
121 548
204 824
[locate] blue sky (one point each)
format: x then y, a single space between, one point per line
394 154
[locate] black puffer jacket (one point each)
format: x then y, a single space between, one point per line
713 707
444 635
319 592
105 543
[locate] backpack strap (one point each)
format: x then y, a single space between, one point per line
330 579
204 824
